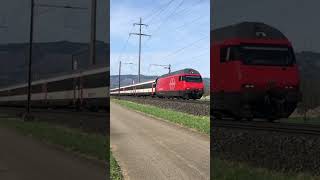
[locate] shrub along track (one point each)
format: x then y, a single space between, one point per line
194 107
279 146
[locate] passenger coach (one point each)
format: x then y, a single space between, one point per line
82 89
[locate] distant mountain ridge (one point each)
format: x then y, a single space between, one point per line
48 59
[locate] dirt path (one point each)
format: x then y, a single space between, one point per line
147 148
23 158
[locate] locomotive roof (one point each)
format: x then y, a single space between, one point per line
247 30
183 71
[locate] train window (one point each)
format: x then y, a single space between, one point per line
223 54
3 93
37 88
229 53
63 85
95 80
193 78
19 91
268 55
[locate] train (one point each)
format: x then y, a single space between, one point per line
183 84
254 73
82 89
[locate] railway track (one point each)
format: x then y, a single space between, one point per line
194 107
268 126
169 100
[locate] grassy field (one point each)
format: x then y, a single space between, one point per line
201 124
310 120
89 145
225 170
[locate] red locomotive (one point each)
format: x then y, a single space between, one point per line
253 71
186 84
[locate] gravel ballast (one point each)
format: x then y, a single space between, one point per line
194 107
274 150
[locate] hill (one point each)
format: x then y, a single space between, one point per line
48 59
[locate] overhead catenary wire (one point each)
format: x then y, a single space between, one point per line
185 47
171 15
161 9
168 17
125 45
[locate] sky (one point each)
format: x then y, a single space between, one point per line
180 35
298 20
52 24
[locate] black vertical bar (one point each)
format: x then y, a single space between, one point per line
93 32
30 56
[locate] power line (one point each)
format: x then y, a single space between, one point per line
191 22
185 47
125 45
169 16
161 65
192 58
159 11
188 9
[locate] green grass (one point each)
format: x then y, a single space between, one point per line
89 145
310 120
115 171
225 170
199 123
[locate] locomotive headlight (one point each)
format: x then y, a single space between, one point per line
289 87
248 86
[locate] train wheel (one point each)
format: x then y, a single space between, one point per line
186 97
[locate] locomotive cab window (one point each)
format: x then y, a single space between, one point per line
193 78
268 55
229 53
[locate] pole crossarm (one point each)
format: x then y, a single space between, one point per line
140 34
164 66
140 24
60 6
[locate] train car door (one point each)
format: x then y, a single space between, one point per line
81 81
45 93
76 90
153 89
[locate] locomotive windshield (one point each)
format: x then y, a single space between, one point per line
264 55
259 55
193 78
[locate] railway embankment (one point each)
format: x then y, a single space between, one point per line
281 150
194 107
